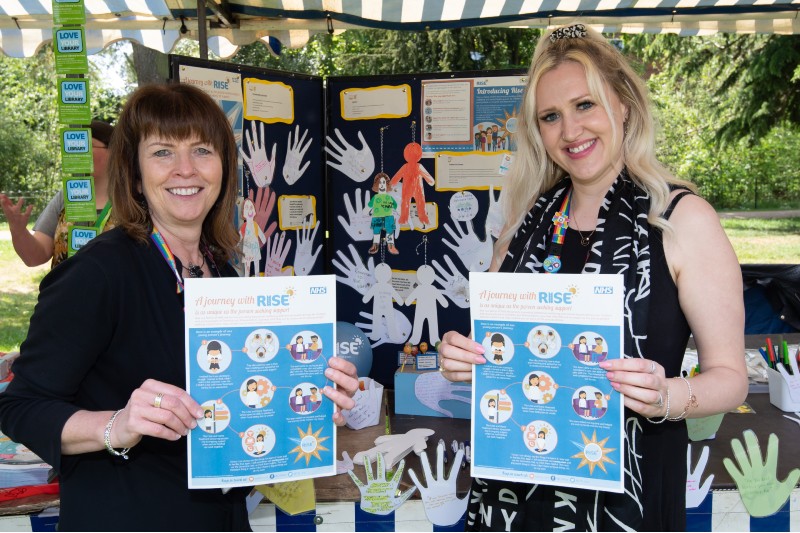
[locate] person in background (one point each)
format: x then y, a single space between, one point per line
99 387
586 149
48 242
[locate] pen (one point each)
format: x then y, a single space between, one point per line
763 353
785 350
771 353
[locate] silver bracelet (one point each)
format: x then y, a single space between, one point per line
666 415
691 402
107 438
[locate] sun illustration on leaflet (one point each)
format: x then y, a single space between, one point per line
573 289
593 454
309 444
509 125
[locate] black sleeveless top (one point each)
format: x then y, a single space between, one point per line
664 445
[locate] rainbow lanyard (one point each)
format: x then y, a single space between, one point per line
166 253
552 263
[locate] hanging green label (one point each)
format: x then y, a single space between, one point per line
76 151
70 51
73 101
77 237
68 12
79 201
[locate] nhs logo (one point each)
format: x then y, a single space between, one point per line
318 290
603 289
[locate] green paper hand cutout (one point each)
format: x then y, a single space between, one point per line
380 495
758 484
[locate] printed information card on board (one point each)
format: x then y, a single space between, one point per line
256 352
543 410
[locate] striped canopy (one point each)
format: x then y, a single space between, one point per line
26 24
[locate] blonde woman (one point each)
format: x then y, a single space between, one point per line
586 149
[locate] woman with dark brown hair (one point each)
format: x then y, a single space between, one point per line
99 387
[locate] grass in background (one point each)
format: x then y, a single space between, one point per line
18 292
764 240
755 240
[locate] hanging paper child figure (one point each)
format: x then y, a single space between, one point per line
253 238
411 175
426 296
381 208
382 294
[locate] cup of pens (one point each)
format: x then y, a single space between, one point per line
784 377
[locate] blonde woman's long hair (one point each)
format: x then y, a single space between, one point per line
533 172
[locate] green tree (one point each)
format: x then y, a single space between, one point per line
374 52
756 77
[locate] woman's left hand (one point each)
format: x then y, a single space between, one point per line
343 374
643 383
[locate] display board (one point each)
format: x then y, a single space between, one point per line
337 173
278 122
445 140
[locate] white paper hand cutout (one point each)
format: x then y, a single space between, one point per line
455 285
261 167
401 322
304 259
394 447
380 495
695 492
432 388
355 273
474 253
277 250
295 151
440 498
345 465
494 217
793 419
357 165
358 223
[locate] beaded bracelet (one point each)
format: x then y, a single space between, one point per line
666 415
107 438
691 402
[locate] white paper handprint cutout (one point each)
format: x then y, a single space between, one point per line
696 489
355 273
295 151
440 497
358 223
277 250
455 285
401 322
476 254
261 167
304 256
357 165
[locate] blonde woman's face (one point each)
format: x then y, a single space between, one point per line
575 128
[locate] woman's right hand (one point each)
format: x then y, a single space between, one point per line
457 355
156 409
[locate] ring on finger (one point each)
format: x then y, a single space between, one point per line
660 403
157 401
652 367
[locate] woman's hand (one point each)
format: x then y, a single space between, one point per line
343 374
457 354
155 409
643 383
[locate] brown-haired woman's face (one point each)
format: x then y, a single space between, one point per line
181 180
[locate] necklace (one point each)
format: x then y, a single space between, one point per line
584 238
195 271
